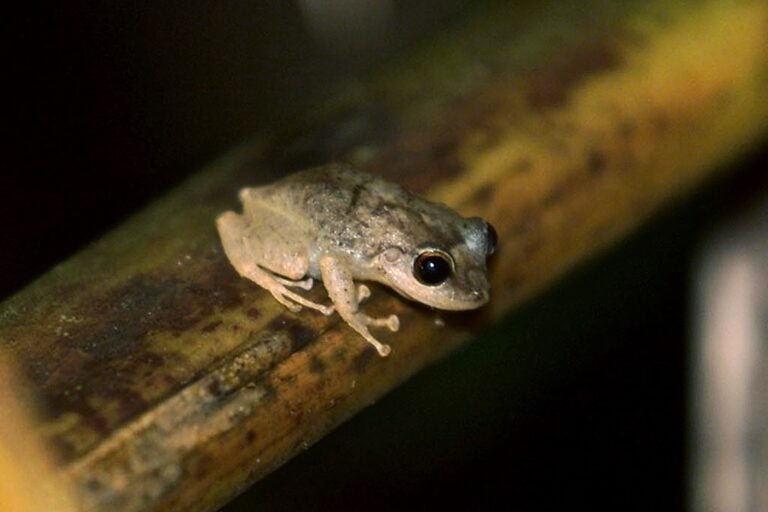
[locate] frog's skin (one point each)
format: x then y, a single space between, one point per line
340 225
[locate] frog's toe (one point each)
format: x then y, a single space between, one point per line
391 322
304 284
292 306
298 299
363 292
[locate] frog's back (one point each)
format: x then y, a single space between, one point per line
332 195
334 183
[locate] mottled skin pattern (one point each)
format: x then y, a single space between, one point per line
339 225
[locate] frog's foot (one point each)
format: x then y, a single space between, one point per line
392 322
360 323
277 287
361 327
304 284
294 301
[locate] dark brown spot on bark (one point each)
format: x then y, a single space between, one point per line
287 379
596 161
316 365
522 166
63 448
627 128
555 195
660 123
550 85
513 283
340 353
211 326
481 195
93 484
214 388
299 334
364 358
270 392
420 159
152 359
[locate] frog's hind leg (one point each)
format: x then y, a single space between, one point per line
235 236
277 287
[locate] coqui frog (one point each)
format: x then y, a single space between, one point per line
340 225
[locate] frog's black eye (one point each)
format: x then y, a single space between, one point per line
492 239
432 267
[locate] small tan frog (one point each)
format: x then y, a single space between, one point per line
339 225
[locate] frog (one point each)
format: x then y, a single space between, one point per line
340 225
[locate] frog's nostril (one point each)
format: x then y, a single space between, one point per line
477 279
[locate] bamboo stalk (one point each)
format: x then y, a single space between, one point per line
163 381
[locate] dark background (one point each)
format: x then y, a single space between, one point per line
113 103
577 399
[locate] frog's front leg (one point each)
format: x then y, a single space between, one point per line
346 298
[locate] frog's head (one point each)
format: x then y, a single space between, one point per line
451 276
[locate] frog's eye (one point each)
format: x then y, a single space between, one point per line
432 267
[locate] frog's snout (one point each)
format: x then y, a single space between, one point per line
480 296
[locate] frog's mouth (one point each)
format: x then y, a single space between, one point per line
444 298
471 300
